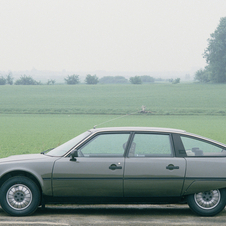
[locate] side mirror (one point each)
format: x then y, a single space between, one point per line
74 154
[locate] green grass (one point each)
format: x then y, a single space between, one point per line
36 118
160 99
22 134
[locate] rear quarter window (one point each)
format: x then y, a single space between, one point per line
198 147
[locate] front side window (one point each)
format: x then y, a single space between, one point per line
105 145
196 147
151 145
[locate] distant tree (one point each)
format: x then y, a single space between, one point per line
215 55
51 82
9 79
91 79
113 80
27 80
147 79
135 80
203 76
176 81
72 79
2 80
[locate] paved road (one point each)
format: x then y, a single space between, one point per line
113 215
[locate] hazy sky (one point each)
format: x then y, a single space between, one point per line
111 35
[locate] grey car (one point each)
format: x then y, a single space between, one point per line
119 165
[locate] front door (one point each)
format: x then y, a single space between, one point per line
97 172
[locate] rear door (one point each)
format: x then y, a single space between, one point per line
151 169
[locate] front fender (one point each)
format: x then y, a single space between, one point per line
40 169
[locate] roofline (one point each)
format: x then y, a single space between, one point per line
144 129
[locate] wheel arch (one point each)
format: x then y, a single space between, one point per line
197 186
10 174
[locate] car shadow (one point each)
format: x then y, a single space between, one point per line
116 210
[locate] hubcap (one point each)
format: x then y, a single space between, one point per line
208 200
19 196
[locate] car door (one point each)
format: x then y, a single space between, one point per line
97 171
151 169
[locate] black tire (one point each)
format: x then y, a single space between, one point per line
207 203
19 196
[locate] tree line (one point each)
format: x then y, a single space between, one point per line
93 79
74 79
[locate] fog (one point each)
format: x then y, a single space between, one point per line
106 37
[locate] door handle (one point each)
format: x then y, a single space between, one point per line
172 167
114 167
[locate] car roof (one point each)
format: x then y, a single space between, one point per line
135 129
152 129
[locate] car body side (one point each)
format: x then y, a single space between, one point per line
198 173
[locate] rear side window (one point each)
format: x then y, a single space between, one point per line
197 147
151 145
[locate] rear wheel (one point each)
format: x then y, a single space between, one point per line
19 196
207 203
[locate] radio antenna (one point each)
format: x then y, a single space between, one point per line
115 119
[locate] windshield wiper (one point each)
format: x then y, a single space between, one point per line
43 152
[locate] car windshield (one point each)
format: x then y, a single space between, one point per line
64 148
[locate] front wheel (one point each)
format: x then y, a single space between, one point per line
19 196
207 203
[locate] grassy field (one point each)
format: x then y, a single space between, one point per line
160 99
36 118
21 134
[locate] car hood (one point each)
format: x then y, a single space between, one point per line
23 157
